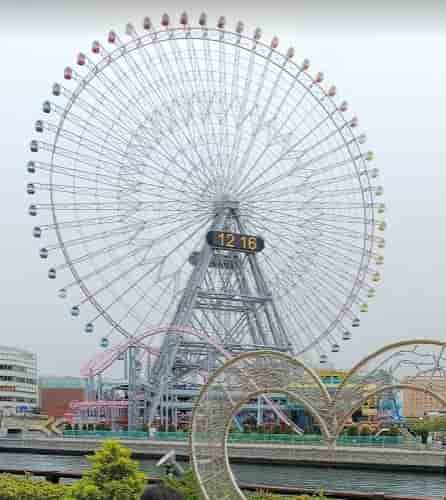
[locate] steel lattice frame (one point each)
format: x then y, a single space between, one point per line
97 366
413 365
164 126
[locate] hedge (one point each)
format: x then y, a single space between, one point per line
26 488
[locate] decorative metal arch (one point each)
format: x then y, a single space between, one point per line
240 379
411 365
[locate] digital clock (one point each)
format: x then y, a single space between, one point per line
234 241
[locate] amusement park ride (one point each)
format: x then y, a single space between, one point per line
209 196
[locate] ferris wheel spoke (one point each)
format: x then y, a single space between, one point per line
171 161
302 321
95 125
200 125
175 140
181 125
225 106
349 245
119 116
155 304
102 235
297 166
99 116
90 161
154 142
244 162
277 135
127 186
84 191
93 145
91 254
298 315
321 312
163 55
241 115
212 84
151 270
144 297
106 267
259 192
90 221
351 256
201 87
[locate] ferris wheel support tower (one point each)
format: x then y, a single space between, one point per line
242 291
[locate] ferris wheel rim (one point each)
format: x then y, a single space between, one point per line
365 184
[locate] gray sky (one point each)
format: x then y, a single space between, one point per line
386 58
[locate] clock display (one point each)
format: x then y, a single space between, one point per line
235 241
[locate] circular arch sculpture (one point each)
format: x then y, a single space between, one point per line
411 365
241 378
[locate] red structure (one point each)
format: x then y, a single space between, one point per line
56 402
56 394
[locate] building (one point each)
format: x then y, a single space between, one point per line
18 380
56 394
418 403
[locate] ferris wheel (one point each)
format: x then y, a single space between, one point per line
149 133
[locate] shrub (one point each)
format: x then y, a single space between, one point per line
394 431
26 488
422 429
352 431
366 430
186 485
113 476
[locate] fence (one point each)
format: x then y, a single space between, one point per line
246 437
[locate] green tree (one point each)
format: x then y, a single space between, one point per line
112 476
422 429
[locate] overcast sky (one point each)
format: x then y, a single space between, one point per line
387 58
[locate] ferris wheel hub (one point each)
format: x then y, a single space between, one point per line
226 202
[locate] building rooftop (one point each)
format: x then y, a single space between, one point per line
61 382
17 350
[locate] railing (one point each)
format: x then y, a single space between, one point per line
106 434
246 437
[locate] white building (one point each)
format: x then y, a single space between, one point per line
18 380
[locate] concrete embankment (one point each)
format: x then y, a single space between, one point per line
347 457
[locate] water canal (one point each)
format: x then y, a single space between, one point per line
428 484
